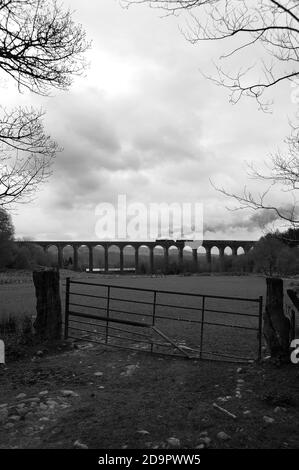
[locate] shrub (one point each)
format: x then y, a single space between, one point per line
288 261
17 334
6 239
29 256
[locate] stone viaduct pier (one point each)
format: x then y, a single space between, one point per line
166 245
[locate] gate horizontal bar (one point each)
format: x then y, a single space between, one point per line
114 320
189 294
89 295
73 304
110 328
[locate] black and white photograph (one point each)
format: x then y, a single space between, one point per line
149 230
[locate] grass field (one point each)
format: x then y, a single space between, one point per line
17 295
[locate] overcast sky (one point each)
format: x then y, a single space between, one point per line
144 122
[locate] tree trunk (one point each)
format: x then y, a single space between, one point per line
48 323
276 325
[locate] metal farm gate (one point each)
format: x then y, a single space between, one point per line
165 322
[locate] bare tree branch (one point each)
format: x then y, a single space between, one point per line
41 48
40 45
272 24
26 154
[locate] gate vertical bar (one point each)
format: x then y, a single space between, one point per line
154 316
67 308
260 327
107 308
202 323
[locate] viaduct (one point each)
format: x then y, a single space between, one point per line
208 245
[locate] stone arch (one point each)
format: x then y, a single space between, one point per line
83 256
174 260
187 258
98 252
215 250
144 253
228 251
187 251
52 252
113 257
226 258
202 264
159 252
68 253
215 258
201 250
129 256
173 252
240 251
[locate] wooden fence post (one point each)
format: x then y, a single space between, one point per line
48 323
276 325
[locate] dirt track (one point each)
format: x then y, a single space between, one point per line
116 399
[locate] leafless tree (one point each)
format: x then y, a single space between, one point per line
272 25
41 48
